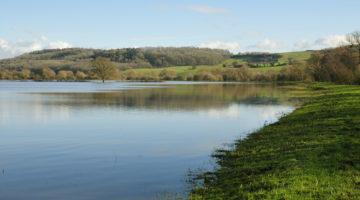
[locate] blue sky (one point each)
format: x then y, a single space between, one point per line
236 25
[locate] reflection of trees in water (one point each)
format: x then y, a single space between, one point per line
173 97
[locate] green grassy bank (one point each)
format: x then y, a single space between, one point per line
313 153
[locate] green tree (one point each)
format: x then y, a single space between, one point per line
130 54
102 68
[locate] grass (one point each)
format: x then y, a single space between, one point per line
185 70
297 55
180 70
313 153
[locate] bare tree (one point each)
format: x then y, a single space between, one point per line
353 40
103 68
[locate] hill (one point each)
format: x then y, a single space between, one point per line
134 58
78 58
235 61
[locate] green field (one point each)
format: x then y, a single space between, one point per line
184 70
313 153
177 69
297 55
180 70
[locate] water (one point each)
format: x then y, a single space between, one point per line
119 140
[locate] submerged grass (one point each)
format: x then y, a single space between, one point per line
313 153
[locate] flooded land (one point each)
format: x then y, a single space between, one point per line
121 140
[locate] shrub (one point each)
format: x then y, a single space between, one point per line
167 75
47 74
80 76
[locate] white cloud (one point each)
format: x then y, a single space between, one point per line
207 9
331 41
59 45
11 49
43 38
221 45
328 41
267 44
303 44
19 47
3 44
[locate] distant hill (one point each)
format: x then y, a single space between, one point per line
75 59
79 58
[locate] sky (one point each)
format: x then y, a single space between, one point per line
235 25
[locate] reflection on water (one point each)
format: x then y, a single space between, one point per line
120 140
181 97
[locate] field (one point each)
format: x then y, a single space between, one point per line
313 153
184 70
299 55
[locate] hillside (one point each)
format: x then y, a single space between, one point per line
162 57
78 58
230 63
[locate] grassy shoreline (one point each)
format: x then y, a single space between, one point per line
313 153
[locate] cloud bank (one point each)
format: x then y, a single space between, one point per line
267 44
11 49
331 40
328 41
231 46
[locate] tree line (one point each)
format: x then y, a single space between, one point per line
44 74
259 59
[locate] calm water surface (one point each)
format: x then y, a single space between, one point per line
120 140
